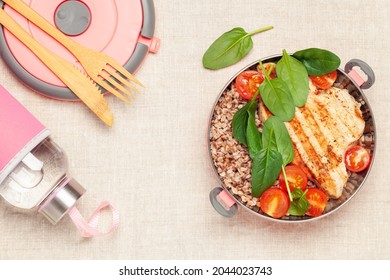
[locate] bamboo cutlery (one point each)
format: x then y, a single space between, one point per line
100 69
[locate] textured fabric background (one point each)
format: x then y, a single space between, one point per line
153 163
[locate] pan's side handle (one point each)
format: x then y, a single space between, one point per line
356 77
226 198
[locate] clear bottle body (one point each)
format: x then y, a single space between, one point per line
36 176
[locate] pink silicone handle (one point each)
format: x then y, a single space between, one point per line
17 128
365 68
356 77
218 195
226 198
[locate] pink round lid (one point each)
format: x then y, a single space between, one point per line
122 29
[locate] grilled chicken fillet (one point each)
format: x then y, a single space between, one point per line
321 131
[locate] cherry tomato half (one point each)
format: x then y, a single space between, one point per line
324 81
274 202
248 82
357 158
317 202
267 67
296 178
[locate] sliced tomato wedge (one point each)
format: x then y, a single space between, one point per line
274 202
317 202
248 82
324 81
357 158
270 68
296 178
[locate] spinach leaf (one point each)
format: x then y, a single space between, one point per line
253 136
252 105
294 73
299 205
230 48
277 98
240 124
266 167
240 120
318 61
276 135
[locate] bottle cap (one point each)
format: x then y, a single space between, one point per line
61 200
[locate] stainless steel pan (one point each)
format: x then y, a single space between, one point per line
226 203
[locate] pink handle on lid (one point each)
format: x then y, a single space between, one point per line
18 127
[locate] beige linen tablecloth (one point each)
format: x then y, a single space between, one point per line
153 163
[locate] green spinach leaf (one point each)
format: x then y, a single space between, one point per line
252 105
299 205
318 61
266 167
276 135
277 98
230 48
240 124
240 120
253 135
294 74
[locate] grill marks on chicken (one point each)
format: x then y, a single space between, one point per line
321 131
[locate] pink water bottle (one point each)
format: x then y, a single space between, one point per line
34 170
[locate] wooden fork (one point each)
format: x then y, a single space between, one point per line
103 69
76 80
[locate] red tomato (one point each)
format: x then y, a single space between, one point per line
267 67
274 202
296 178
357 158
248 82
317 202
324 81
